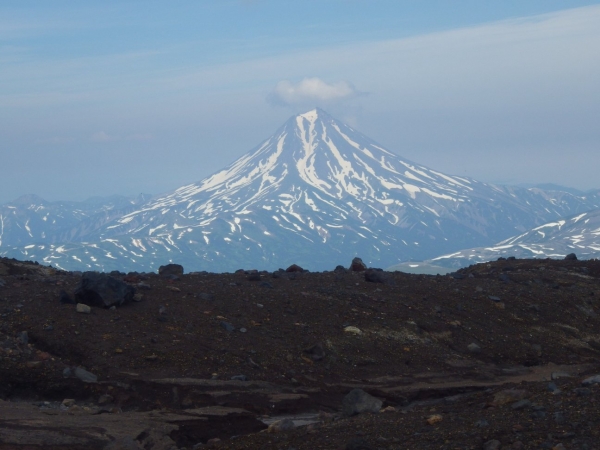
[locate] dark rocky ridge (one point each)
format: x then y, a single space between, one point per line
303 341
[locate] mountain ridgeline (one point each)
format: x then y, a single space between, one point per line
315 193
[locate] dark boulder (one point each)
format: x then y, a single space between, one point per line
294 268
358 265
101 290
170 269
571 257
375 276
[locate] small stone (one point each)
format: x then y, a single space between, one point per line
67 373
173 288
34 364
538 414
388 409
118 350
557 375
23 337
582 392
281 425
112 308
433 419
316 352
474 348
509 396
591 380
138 297
143 286
492 445
68 402
243 330
227 326
482 423
494 298
151 358
521 404
239 378
352 330
105 399
358 401
84 309
85 376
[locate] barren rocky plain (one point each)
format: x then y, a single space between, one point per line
502 355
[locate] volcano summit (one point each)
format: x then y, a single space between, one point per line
315 193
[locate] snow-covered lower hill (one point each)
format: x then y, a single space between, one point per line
579 234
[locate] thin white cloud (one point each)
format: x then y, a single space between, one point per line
55 140
140 137
102 136
311 90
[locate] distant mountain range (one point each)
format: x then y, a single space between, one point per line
315 193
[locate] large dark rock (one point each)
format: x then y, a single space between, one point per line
358 401
101 290
358 265
294 268
170 269
571 257
375 276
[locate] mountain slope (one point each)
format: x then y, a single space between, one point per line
315 193
31 219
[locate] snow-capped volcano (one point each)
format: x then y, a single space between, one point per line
316 193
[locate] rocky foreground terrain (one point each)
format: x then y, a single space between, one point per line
502 355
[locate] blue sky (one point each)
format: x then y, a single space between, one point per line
105 97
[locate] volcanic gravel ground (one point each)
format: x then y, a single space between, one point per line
411 340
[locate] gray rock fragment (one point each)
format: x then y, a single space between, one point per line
358 401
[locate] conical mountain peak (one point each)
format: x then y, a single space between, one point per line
314 114
317 193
